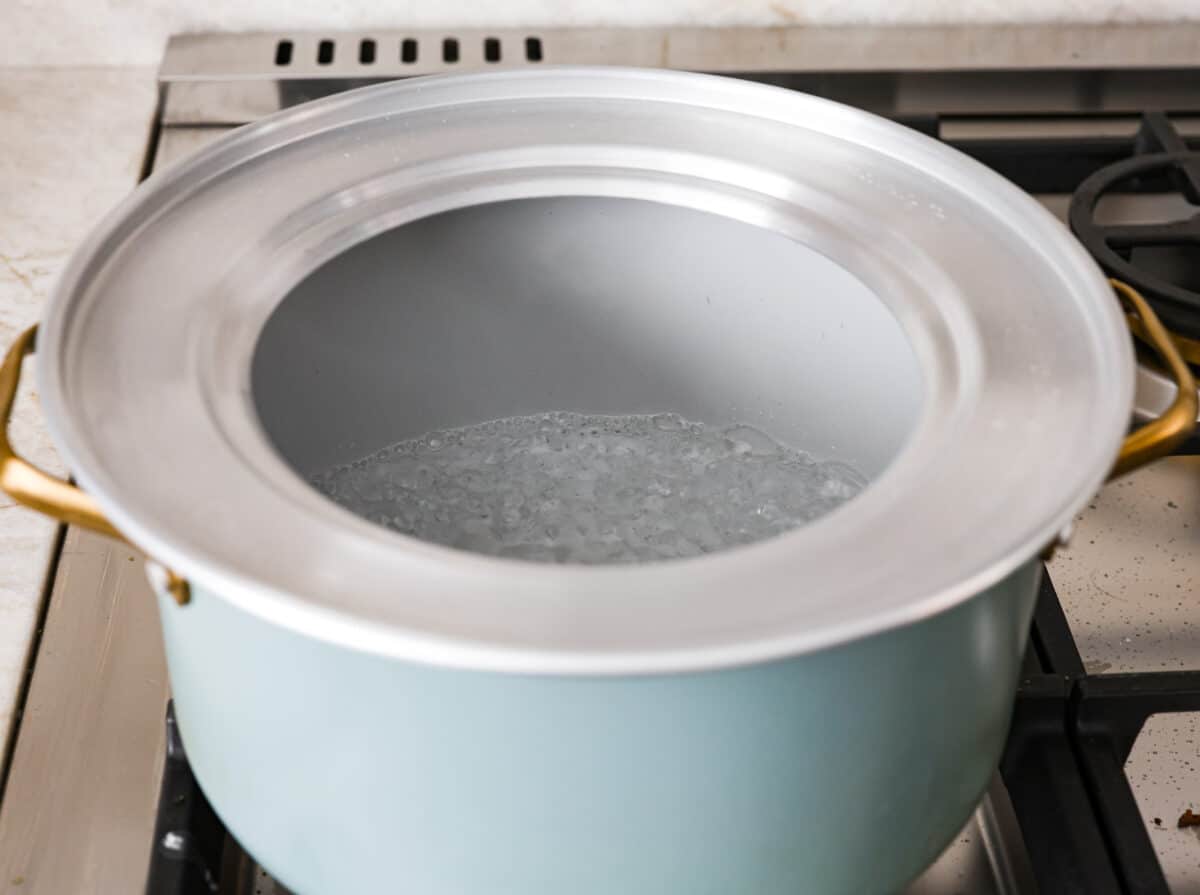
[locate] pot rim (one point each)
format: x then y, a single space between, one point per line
987 395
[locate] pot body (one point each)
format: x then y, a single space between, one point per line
841 771
816 712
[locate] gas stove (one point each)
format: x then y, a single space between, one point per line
1091 794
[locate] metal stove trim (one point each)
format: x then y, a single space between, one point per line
895 71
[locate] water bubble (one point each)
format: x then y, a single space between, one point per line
566 487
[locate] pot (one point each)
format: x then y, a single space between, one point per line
819 712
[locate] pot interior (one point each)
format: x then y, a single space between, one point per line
586 304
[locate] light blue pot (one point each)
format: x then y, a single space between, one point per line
814 713
345 772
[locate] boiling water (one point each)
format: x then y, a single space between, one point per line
568 487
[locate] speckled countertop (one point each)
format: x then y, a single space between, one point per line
71 145
1128 581
1128 584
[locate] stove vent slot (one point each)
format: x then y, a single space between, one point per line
313 57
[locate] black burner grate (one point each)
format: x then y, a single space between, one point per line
1064 763
189 839
1159 259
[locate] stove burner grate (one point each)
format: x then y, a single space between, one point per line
1161 260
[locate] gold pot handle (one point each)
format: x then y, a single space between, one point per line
1162 435
24 482
38 490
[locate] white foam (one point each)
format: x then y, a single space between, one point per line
569 487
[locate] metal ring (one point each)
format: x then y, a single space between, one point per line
38 490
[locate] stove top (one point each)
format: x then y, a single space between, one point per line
1090 792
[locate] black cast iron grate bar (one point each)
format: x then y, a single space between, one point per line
1116 706
1129 236
1109 712
1050 798
1157 134
1051 634
1121 822
1064 763
1163 161
185 857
